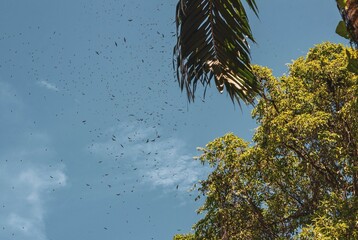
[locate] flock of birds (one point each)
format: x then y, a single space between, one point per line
99 85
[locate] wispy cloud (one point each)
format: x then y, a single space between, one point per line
160 162
48 85
8 94
31 228
26 183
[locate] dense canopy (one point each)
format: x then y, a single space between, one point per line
300 177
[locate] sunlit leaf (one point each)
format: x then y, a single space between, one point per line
341 3
341 30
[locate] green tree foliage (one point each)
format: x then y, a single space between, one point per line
299 180
184 237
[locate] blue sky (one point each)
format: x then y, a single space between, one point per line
96 138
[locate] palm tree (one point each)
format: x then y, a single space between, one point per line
212 43
349 12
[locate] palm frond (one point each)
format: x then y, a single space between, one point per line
212 43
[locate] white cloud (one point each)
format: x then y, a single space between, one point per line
26 184
8 94
160 162
48 85
29 227
28 172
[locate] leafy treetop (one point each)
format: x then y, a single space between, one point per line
299 179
